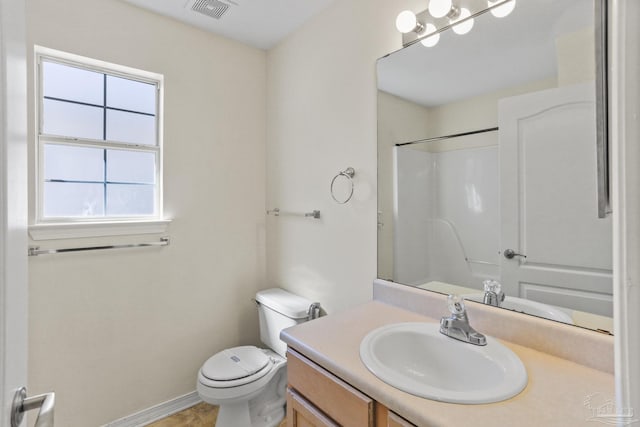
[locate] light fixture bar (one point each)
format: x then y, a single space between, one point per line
412 38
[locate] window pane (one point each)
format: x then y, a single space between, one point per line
108 177
131 127
131 95
131 166
69 163
70 199
63 81
130 200
68 119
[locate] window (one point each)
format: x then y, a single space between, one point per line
99 145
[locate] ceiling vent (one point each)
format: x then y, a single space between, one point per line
213 8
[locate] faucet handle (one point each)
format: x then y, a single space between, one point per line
455 304
492 286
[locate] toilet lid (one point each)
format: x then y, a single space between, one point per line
234 363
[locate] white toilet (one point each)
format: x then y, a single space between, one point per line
249 383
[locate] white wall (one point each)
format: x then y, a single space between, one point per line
322 119
447 211
398 121
467 195
116 332
413 208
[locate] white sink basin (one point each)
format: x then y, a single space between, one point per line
529 307
418 359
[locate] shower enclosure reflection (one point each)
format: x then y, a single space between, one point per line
446 212
487 144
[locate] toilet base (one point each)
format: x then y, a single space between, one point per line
241 415
233 415
267 409
261 405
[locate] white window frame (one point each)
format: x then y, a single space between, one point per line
71 227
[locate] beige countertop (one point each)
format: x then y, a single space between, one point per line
556 395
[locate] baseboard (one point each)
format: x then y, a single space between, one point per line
155 413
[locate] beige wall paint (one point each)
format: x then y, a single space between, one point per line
116 332
479 112
322 119
575 57
399 121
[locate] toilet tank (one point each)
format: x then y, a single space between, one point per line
278 310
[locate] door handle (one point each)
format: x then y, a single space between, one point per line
510 254
22 404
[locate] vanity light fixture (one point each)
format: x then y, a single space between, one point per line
501 11
464 27
431 40
407 22
442 8
459 19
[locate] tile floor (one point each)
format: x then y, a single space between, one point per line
200 415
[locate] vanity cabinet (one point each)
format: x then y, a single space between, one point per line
395 420
302 413
316 397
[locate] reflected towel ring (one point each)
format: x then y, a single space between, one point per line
349 174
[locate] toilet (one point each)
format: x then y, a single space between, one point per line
249 383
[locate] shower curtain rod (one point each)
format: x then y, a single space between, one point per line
438 138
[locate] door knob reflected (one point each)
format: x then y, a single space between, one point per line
510 254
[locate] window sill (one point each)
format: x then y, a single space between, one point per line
96 229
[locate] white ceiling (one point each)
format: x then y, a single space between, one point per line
258 23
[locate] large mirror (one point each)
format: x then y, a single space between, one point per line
488 166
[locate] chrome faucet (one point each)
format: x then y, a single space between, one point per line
457 325
314 311
493 294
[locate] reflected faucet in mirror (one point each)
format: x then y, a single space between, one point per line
493 294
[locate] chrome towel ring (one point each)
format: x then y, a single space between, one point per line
349 174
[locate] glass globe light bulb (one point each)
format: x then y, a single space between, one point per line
406 21
466 26
440 8
431 40
501 11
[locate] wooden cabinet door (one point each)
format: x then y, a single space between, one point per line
394 420
317 398
301 413
386 418
331 395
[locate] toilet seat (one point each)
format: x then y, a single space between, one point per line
235 366
234 391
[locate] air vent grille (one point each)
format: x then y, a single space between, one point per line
212 8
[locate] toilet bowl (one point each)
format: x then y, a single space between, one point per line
249 383
234 386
